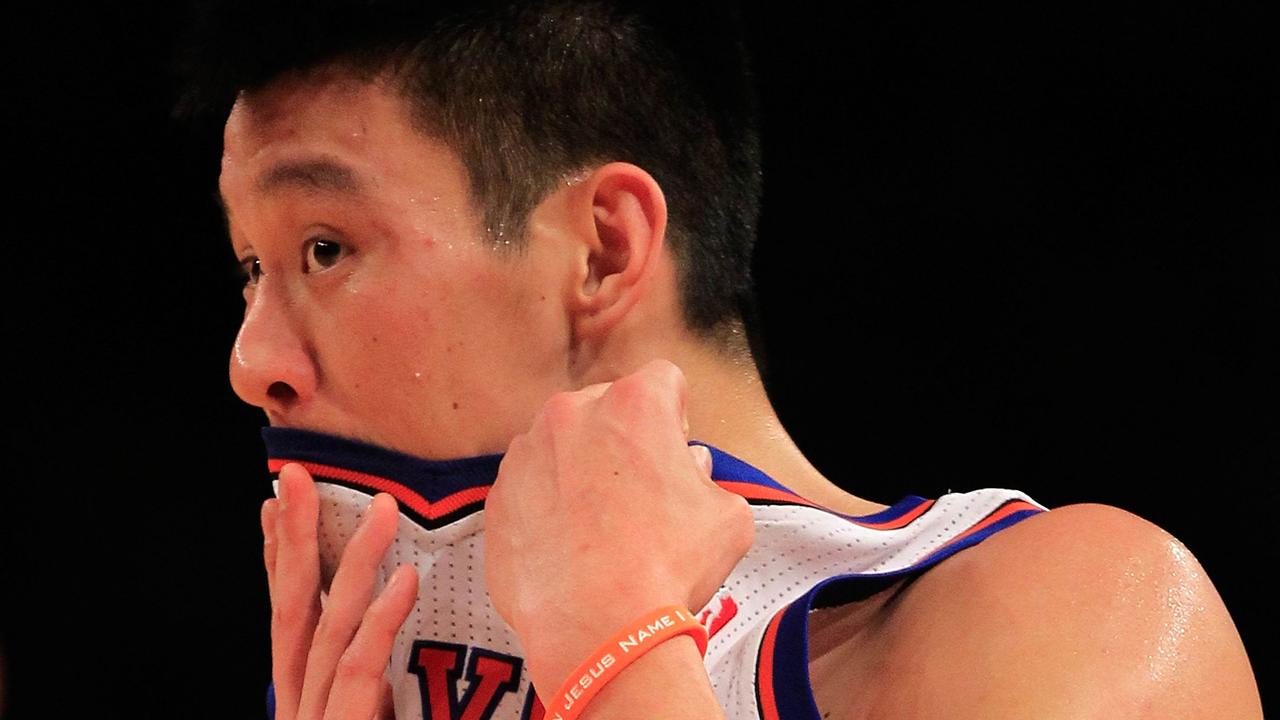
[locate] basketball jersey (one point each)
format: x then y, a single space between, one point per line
455 658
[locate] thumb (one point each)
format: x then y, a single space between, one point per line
702 458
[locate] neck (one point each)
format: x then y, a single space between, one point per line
729 409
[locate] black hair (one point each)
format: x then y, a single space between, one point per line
529 92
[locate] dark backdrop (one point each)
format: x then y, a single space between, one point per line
1032 248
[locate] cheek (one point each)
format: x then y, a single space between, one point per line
414 342
383 333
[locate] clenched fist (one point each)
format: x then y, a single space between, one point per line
602 512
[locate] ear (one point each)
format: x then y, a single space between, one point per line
622 225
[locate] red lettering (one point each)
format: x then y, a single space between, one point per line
490 676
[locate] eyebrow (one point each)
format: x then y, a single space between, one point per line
318 174
323 175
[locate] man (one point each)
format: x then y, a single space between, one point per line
527 231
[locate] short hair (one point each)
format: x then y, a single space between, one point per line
528 93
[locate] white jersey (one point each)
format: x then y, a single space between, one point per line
456 659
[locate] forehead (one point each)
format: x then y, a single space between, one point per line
331 133
322 105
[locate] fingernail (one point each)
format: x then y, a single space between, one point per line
397 579
707 462
282 493
364 514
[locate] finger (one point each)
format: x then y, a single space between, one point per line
705 463
595 390
659 386
295 604
359 680
349 597
270 509
702 458
677 383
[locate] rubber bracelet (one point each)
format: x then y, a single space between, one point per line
637 638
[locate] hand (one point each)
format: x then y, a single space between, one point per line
329 662
602 512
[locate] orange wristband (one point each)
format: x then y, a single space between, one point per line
637 638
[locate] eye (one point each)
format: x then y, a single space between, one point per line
250 271
321 254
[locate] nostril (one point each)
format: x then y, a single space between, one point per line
281 392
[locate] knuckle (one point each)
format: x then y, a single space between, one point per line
662 368
744 525
630 386
349 667
636 396
667 376
516 450
672 376
561 410
287 621
297 532
279 618
282 619
660 385
326 630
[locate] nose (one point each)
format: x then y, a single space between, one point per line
271 366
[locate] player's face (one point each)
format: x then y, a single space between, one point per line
373 308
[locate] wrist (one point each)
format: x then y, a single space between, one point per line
669 681
557 639
567 679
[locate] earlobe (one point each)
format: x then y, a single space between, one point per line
625 238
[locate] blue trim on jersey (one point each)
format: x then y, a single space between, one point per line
793 697
974 539
432 479
791 688
893 512
727 467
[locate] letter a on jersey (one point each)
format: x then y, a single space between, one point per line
438 665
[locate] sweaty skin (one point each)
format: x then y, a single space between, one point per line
390 336
377 309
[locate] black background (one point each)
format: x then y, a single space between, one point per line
1032 248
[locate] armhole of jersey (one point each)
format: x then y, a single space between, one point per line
783 688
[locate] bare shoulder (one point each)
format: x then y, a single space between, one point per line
1084 611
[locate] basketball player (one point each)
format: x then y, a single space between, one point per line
527 231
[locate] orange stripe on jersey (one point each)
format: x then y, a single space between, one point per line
764 670
902 520
412 500
999 514
751 491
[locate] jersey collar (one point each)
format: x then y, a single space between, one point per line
438 492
